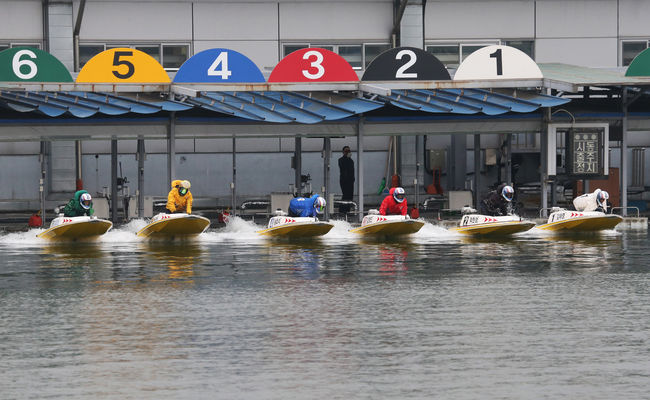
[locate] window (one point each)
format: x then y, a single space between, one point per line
631 49
371 51
5 45
527 46
452 54
352 54
357 55
170 56
449 55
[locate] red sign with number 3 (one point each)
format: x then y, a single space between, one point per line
313 65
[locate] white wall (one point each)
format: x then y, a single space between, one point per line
21 20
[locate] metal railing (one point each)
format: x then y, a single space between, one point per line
627 208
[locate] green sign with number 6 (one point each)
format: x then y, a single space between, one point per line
27 64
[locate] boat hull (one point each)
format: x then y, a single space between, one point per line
389 225
296 227
573 221
76 228
170 226
482 225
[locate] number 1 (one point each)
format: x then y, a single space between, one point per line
497 55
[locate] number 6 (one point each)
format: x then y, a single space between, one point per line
17 63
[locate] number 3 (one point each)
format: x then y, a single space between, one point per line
314 64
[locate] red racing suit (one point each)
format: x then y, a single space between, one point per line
391 207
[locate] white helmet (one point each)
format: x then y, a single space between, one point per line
508 192
399 194
319 204
184 187
185 184
601 197
85 200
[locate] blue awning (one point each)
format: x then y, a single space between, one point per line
280 106
471 101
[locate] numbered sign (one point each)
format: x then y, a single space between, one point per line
498 62
26 64
640 66
406 63
123 65
219 65
313 65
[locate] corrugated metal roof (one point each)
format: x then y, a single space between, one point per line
281 107
572 77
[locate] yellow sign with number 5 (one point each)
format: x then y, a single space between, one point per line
122 65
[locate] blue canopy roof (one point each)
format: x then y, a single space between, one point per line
281 106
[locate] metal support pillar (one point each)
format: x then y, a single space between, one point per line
477 169
141 155
297 164
508 174
41 186
233 184
114 180
171 148
327 155
543 145
77 161
360 128
623 170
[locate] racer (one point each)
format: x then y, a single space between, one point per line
595 201
498 202
306 207
394 203
179 199
81 204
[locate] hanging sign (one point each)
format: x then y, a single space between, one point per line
406 63
583 151
640 66
498 62
219 66
123 65
313 65
27 64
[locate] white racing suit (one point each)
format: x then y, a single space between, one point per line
588 202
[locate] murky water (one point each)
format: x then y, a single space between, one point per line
232 315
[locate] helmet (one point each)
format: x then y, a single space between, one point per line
184 187
85 200
399 194
508 193
602 197
319 204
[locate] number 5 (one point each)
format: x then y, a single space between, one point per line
117 62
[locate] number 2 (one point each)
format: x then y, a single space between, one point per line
314 64
412 59
497 55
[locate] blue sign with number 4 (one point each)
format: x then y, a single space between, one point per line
219 66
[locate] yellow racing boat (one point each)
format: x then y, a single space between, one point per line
568 221
374 224
76 228
171 226
485 225
296 227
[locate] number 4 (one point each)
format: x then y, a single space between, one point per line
222 60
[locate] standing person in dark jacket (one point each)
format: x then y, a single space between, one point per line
346 178
81 204
498 202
